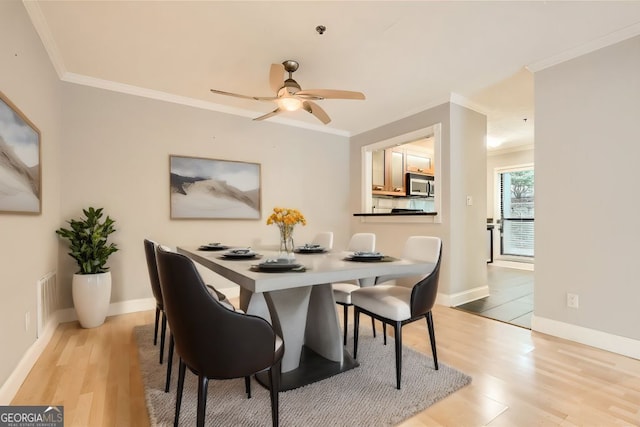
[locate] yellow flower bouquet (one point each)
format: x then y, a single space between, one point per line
286 219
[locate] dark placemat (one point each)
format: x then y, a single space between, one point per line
371 259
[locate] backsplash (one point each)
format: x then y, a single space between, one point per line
385 204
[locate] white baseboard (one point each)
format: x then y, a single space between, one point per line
66 315
131 306
453 300
594 338
19 374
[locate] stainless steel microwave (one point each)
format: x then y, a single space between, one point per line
420 185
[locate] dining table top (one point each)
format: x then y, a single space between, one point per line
319 268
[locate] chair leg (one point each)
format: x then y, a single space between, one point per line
345 321
162 334
181 372
384 332
155 329
397 330
247 386
274 381
356 325
373 326
203 383
169 363
432 337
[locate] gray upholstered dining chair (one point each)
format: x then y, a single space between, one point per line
152 267
222 299
398 305
151 248
359 242
213 341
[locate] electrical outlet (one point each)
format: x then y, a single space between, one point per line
469 200
572 301
27 321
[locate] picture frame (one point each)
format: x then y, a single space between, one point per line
202 188
20 161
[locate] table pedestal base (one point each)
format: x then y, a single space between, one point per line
313 367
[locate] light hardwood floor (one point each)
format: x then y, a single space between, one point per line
520 378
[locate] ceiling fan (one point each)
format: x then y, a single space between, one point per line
291 97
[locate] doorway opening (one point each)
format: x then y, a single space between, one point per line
516 213
510 274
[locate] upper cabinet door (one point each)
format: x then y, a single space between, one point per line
397 172
377 170
419 164
387 172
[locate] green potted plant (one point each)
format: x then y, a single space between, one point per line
91 285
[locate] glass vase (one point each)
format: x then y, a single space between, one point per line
286 243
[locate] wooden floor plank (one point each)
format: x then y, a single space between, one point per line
520 378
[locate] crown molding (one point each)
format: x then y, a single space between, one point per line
409 113
506 150
452 98
458 99
599 43
190 102
43 30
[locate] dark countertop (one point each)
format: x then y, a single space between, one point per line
398 214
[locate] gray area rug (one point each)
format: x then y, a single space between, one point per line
364 396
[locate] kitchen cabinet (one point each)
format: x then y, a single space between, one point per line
397 171
377 169
419 163
390 166
388 169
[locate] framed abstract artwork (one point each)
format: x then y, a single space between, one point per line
20 171
213 189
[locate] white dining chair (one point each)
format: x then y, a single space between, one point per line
360 242
324 239
398 305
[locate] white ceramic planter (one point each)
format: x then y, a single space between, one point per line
91 296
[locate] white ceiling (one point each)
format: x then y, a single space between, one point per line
405 56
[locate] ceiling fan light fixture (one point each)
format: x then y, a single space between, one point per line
493 142
289 103
290 96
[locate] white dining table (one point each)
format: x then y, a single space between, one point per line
301 306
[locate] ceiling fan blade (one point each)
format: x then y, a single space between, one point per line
237 95
276 77
220 92
329 94
271 114
313 108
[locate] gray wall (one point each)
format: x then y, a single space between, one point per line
586 156
112 150
586 129
116 154
467 170
29 246
463 170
